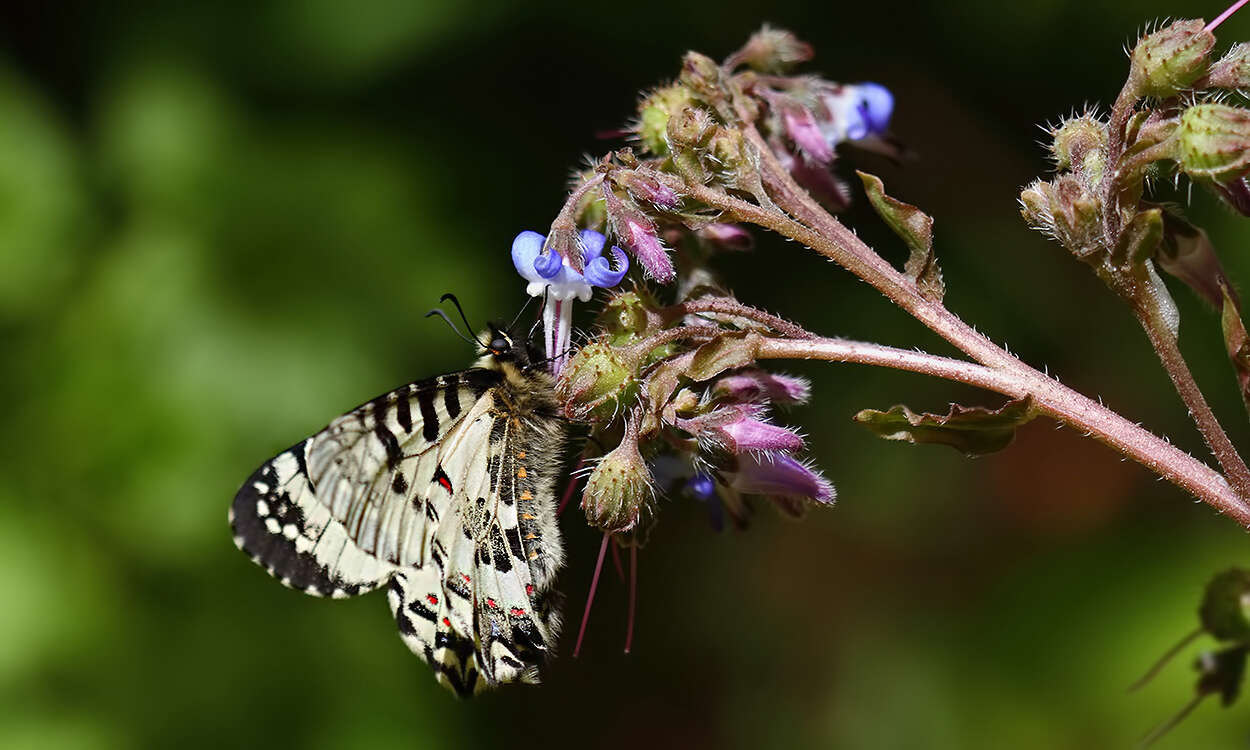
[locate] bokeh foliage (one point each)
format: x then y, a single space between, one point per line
220 224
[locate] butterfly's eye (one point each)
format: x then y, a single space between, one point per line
500 345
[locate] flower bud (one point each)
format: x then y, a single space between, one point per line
760 387
618 488
1225 609
626 316
701 74
1168 61
655 111
690 127
1232 71
639 235
656 193
1076 140
1035 205
774 51
726 237
1214 142
596 382
802 128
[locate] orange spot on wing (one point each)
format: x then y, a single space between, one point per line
526 495
528 517
520 454
531 535
521 473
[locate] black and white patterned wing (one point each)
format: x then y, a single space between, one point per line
485 611
335 514
444 488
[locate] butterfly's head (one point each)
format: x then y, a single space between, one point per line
504 350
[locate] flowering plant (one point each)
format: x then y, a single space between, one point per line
671 383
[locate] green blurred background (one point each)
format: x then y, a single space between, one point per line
220 223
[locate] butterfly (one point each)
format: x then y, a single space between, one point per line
444 492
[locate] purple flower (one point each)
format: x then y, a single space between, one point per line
650 252
738 430
803 130
758 387
726 236
779 474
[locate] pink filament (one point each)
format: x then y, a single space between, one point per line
568 491
1221 18
590 598
633 596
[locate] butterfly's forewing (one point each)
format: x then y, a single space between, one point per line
428 487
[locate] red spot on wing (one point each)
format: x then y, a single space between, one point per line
517 611
529 588
432 599
491 603
447 622
445 483
466 577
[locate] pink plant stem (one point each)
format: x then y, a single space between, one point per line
831 238
590 598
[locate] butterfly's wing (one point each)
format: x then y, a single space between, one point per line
390 492
483 611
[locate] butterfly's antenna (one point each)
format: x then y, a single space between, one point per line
521 312
1163 660
452 326
459 309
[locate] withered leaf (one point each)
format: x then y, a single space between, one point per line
973 431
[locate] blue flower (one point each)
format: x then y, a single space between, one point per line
550 273
855 111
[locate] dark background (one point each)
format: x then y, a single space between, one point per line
220 223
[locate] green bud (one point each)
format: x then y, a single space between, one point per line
726 149
596 382
654 112
1214 142
773 51
627 316
1232 71
1168 61
1073 213
1035 205
618 488
1079 143
701 74
691 127
1225 610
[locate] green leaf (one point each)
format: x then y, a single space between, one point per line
722 353
915 227
973 431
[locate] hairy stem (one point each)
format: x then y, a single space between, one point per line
732 307
833 240
1168 350
1049 396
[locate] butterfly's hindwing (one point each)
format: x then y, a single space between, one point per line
445 488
